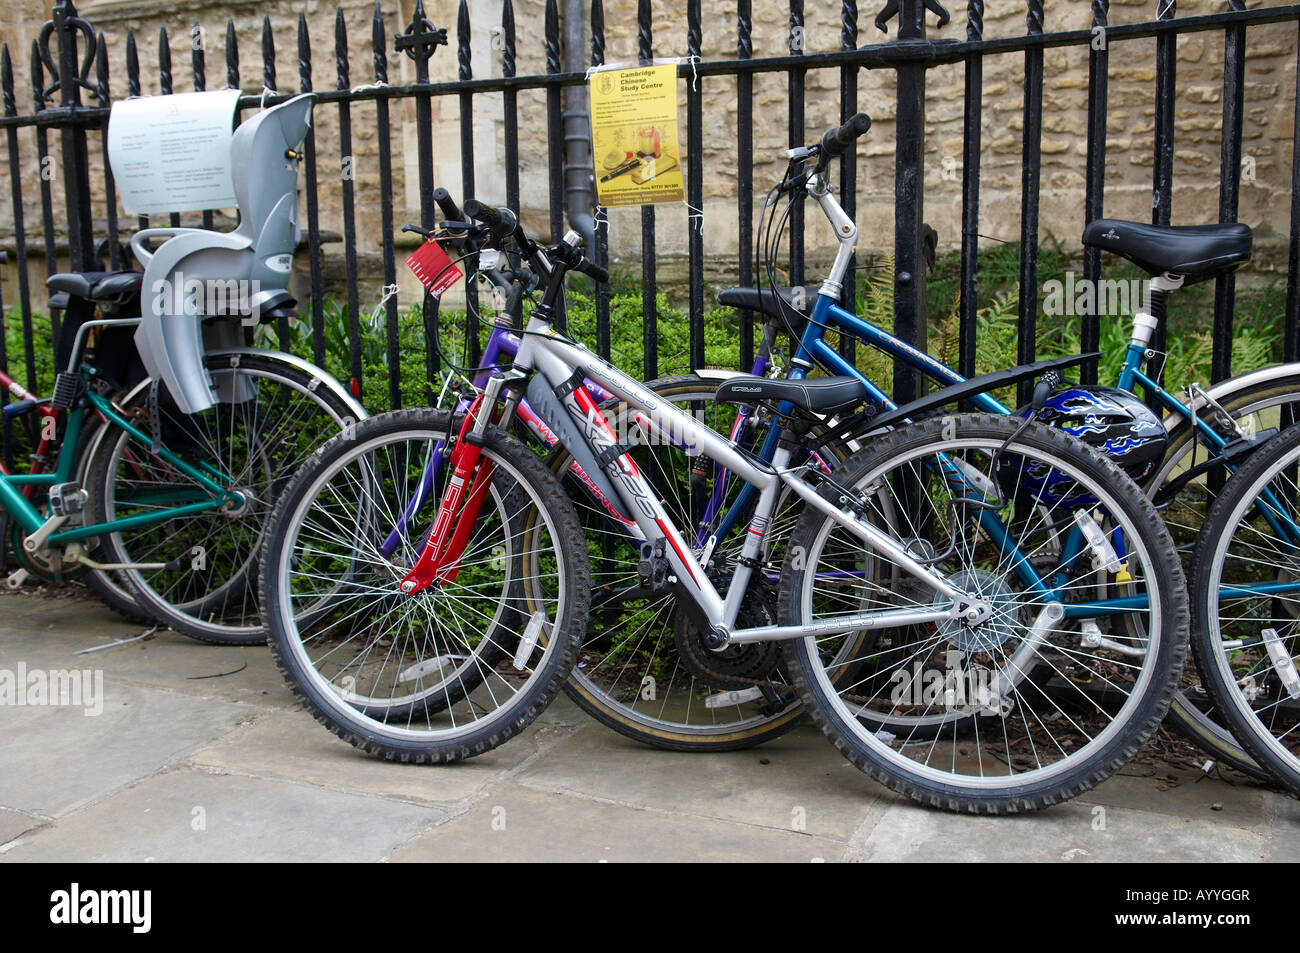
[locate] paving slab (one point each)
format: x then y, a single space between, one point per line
188 815
1067 832
57 758
1282 812
46 632
797 782
1182 792
515 823
563 713
294 746
168 659
13 823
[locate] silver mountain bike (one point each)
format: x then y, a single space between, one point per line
979 611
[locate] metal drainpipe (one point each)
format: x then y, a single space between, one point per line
579 172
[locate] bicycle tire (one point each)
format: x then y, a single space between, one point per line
358 724
227 613
1078 769
1218 666
1185 715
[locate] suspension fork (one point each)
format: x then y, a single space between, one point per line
462 501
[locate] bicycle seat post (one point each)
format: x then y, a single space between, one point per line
1155 295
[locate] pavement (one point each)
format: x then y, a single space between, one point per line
200 753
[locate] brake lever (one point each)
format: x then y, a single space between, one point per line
446 230
799 179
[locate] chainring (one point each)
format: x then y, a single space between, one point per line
38 567
736 667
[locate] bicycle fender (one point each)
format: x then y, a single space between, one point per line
975 385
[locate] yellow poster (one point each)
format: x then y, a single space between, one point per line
635 136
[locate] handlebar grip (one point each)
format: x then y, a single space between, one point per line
448 205
835 142
482 213
593 271
19 407
501 222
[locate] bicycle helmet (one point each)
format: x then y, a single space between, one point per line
1112 421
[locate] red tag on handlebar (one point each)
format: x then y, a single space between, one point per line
431 265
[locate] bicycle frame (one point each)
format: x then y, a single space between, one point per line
559 361
44 442
32 520
502 346
45 529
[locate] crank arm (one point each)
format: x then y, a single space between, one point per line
36 542
108 567
995 700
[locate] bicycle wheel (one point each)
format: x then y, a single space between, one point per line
1246 632
448 671
643 669
1039 696
253 443
1255 406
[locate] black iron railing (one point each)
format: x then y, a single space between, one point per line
69 72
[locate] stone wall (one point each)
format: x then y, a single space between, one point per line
1270 92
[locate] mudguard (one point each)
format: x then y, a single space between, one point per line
969 388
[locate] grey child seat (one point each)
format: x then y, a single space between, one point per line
264 156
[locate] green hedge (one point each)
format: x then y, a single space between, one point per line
1257 338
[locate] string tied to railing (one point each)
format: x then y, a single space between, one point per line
387 292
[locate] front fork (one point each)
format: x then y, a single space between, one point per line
462 501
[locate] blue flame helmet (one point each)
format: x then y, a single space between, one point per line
1112 421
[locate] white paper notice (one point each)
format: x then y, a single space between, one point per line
172 153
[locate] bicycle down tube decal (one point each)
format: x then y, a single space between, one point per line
603 439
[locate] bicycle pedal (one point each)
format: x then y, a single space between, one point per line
653 565
1283 664
67 499
737 697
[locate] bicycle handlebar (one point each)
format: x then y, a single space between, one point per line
500 222
835 142
448 205
592 271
